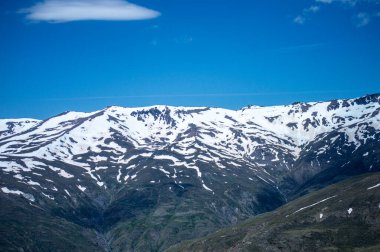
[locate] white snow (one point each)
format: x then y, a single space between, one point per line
67 192
167 157
98 158
101 168
217 135
205 187
235 164
207 159
82 188
19 125
65 174
118 175
33 183
369 188
17 192
131 158
303 208
18 176
263 179
61 172
164 171
6 190
47 196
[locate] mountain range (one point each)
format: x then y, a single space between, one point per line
146 179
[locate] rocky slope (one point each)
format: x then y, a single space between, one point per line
341 217
147 178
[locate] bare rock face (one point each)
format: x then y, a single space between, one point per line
138 179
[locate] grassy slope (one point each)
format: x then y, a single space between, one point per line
33 229
281 230
24 227
152 217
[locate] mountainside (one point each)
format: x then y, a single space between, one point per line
10 127
341 217
146 178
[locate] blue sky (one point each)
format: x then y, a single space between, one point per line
89 55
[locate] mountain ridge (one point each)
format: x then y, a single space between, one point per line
136 176
358 98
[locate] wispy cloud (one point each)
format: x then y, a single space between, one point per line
301 19
348 2
58 11
201 95
364 18
186 39
361 18
292 48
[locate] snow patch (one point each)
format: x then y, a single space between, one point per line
303 208
47 196
82 188
17 192
349 211
33 183
369 188
67 192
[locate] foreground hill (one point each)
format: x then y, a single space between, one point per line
342 217
141 179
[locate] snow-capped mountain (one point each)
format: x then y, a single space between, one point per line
9 127
239 163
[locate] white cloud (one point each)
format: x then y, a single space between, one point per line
362 19
350 2
324 1
186 39
77 10
313 9
289 49
300 19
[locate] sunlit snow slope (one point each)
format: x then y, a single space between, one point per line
266 140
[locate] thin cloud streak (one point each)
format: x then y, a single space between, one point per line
201 95
59 11
298 47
